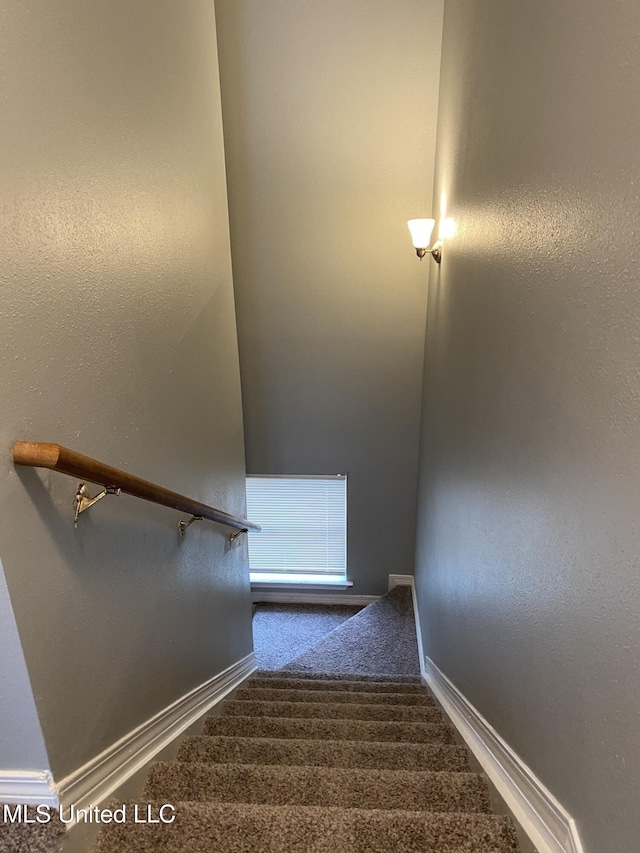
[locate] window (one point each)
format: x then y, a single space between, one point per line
304 529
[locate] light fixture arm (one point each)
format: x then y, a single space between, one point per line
435 251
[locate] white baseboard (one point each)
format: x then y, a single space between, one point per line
277 596
400 580
33 787
283 595
92 783
409 580
549 826
96 780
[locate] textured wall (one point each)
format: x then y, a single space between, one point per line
528 543
118 340
329 116
21 740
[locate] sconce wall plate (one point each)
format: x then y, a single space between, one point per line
436 251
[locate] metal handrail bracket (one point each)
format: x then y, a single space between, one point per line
38 454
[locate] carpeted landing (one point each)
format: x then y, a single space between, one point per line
319 763
282 632
379 639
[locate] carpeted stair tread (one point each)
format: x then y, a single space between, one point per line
286 727
324 710
242 828
378 678
325 753
318 786
358 686
269 694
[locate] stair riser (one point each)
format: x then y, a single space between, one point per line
311 710
357 686
265 694
330 729
308 786
326 753
333 676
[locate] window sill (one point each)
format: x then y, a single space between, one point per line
276 581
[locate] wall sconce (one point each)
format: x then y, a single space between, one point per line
421 230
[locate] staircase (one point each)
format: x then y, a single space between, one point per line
319 763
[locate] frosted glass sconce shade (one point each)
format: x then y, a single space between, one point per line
421 230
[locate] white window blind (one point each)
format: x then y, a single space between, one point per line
304 525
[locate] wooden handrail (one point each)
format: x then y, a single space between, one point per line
39 454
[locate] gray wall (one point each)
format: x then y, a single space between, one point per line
329 117
118 340
529 542
21 741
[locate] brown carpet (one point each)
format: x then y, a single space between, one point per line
249 828
256 782
282 632
300 761
293 781
379 639
30 837
315 762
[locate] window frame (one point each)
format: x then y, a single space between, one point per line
303 579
